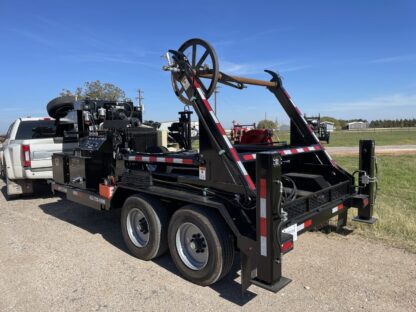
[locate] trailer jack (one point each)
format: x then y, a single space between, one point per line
367 183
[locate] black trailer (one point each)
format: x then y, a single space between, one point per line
206 205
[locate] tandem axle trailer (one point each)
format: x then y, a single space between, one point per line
206 205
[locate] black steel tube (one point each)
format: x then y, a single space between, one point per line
367 163
244 80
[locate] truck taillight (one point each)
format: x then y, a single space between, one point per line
26 156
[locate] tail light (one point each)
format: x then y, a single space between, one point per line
26 156
287 246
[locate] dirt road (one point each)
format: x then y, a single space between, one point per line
56 255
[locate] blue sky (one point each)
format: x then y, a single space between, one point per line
347 59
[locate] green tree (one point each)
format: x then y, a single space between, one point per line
97 90
267 124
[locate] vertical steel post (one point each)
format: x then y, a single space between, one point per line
269 217
367 164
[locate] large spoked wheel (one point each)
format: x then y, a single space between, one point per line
144 223
201 245
203 60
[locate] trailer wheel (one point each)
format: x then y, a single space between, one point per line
144 223
201 245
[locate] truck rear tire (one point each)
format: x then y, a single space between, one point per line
144 223
201 245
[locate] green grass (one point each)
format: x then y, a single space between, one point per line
351 138
396 200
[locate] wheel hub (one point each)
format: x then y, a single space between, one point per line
198 243
142 226
191 246
138 228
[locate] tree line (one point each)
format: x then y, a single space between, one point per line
393 123
379 123
97 90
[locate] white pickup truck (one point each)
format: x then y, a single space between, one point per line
26 153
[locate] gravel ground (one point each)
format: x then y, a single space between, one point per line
57 256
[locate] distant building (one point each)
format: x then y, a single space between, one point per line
356 125
330 126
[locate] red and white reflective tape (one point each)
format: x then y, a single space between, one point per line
338 208
302 117
333 162
290 151
224 136
155 159
263 217
304 225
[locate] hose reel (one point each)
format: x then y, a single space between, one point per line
199 59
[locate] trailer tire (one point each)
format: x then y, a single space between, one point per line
214 238
144 223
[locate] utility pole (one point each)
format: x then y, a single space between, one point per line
215 98
139 98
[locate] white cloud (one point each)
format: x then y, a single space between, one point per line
258 68
397 105
394 59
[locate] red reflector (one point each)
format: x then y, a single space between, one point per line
286 246
340 206
235 155
26 156
263 227
263 188
365 202
307 223
46 118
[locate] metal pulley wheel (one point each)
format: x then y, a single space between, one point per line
203 60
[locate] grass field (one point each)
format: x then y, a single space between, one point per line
396 200
351 138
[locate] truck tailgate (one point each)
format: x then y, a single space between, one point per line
41 152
